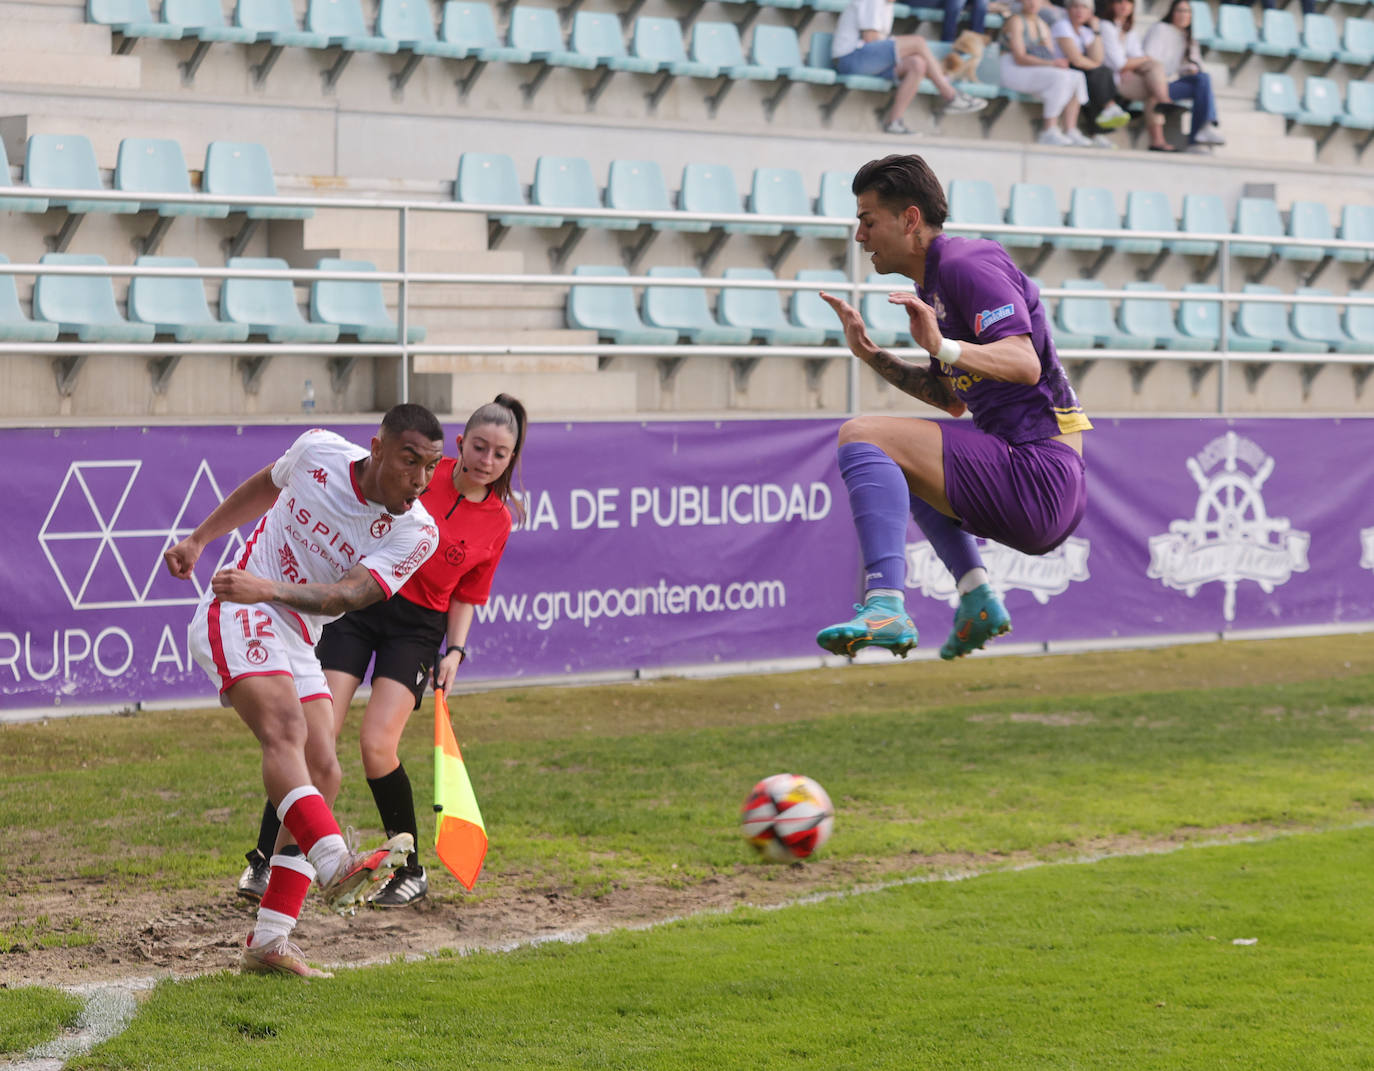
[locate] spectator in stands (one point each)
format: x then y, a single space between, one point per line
954 8
1032 64
1170 42
1138 77
864 44
1077 37
1308 6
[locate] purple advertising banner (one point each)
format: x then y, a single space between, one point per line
655 545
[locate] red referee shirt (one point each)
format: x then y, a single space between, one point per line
472 536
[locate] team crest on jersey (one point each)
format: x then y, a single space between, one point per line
382 525
414 558
456 553
1043 575
287 559
988 317
1230 538
320 476
255 652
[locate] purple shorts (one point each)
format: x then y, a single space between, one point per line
877 58
1029 497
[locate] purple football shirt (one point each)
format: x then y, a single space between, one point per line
979 295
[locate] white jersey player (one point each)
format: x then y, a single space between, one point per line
340 529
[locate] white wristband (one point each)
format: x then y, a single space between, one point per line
949 351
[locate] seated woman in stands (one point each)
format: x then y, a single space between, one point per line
1078 39
1032 64
1138 77
1170 43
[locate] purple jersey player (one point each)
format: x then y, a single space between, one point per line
1014 474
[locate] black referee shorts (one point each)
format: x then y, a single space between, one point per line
404 637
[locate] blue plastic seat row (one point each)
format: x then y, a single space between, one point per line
743 315
1321 104
1278 36
84 305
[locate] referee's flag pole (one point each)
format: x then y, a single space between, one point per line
460 837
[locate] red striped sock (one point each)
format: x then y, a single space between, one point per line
306 815
287 884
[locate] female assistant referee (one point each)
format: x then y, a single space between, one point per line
470 500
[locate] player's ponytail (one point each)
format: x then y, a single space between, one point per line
505 412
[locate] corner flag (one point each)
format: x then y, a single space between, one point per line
460 838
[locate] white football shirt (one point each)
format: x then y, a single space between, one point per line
321 526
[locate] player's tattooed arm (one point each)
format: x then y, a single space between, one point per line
357 589
916 380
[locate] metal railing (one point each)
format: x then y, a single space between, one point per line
404 279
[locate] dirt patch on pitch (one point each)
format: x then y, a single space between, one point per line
115 934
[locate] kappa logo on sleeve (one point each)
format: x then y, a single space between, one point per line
988 317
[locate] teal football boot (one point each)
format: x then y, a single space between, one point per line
882 621
979 618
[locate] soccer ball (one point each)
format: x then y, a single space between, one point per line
787 817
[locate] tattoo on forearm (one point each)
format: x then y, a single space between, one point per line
350 593
913 379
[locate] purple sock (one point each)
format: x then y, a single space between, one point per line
954 546
878 497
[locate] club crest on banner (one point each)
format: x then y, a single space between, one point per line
1230 538
1043 575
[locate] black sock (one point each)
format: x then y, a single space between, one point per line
268 830
396 805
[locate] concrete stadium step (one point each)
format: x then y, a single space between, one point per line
492 321
434 364
1254 135
449 232
56 11
499 262
25 34
67 70
545 394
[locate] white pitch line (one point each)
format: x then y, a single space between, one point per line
110 1008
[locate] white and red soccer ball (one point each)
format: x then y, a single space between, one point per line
787 817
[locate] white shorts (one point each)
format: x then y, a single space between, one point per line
232 641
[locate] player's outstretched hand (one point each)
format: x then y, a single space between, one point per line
855 332
925 329
236 585
181 559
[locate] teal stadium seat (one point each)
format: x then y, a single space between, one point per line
470 26
176 305
711 188
1278 35
760 310
357 308
1357 225
778 47
274 21
638 186
1322 324
133 19
1204 24
23 203
1359 109
411 25
1091 207
819 55
567 182
1145 318
1092 316
204 20
67 161
1264 326
83 305
1308 219
1357 43
1320 42
1358 320
488 178
243 169
685 310
14 325
974 201
1032 204
268 306
837 199
718 44
1235 30
610 311
535 30
1256 217
342 22
1199 319
809 310
659 39
156 165
1321 103
1278 95
1147 210
598 35
880 315
779 191
1203 213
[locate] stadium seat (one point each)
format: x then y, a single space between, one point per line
837 198
974 201
176 305
659 39
132 19
567 182
1278 36
1203 213
598 35
881 315
1359 109
1320 42
156 165
268 306
1092 316
83 305
470 26
686 311
274 21
489 178
1357 225
809 310
1147 210
760 310
779 191
536 31
718 44
638 185
410 24
1091 207
1357 43
1256 217
1278 95
818 55
1199 319
779 48
67 161
610 311
1145 318
1261 326
357 308
243 169
202 20
16 204
711 188
1358 320
1322 324
1204 25
1321 104
1032 204
1235 32
343 23
14 325
1308 219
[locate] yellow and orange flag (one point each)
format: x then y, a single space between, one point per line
460 837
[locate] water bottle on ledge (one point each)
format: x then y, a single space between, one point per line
308 399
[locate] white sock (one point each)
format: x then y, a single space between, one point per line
270 926
326 856
891 593
972 579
